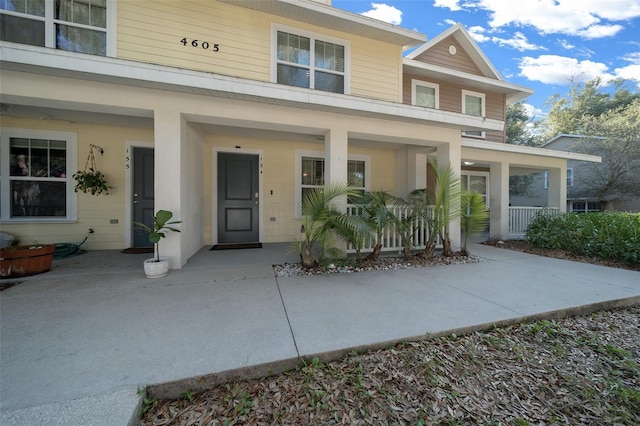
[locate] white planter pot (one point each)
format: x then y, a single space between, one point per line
153 269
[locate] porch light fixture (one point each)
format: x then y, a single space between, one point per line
468 163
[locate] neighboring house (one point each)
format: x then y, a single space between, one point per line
226 111
578 200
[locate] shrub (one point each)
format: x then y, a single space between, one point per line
614 236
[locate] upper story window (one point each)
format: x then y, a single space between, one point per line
74 25
425 94
473 103
314 62
35 175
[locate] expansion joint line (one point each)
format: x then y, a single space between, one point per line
286 314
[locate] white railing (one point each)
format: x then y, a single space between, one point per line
520 217
391 239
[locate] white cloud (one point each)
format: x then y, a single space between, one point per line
584 18
451 4
477 33
518 41
630 72
599 31
384 12
634 58
565 44
560 70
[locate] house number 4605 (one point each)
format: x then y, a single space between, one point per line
202 44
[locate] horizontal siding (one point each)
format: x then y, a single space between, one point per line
451 100
150 31
439 55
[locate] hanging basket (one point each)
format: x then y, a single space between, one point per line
90 180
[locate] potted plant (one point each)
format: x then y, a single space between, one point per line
21 261
157 266
91 181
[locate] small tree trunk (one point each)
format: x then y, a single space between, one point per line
407 252
375 254
307 259
428 250
446 247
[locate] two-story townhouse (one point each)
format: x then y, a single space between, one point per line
227 111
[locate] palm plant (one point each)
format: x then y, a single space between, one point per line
409 220
474 216
374 212
323 219
446 196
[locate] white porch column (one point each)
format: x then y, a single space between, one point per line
451 154
167 177
336 148
557 192
411 170
499 199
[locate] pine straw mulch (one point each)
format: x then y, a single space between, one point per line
522 245
582 370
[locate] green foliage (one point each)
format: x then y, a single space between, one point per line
614 236
323 218
447 197
158 228
93 182
474 215
519 125
374 212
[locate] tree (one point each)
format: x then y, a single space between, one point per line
615 136
520 125
375 213
591 99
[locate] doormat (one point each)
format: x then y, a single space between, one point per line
236 246
137 250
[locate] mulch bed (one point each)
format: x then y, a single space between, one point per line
581 371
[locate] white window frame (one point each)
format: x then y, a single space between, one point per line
313 36
5 171
415 83
320 154
50 26
466 175
569 178
482 96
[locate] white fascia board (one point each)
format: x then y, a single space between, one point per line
316 13
99 68
530 150
485 83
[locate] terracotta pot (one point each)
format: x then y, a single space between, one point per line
22 260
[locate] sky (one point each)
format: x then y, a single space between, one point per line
540 44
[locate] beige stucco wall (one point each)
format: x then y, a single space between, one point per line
151 31
93 211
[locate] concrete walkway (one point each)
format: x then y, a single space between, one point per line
77 343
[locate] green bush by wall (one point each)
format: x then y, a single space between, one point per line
614 236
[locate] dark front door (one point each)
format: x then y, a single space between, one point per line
238 198
142 193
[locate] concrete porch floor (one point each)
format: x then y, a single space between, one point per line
77 342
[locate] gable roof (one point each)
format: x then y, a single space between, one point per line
468 44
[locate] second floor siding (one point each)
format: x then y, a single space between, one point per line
221 38
450 99
440 55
